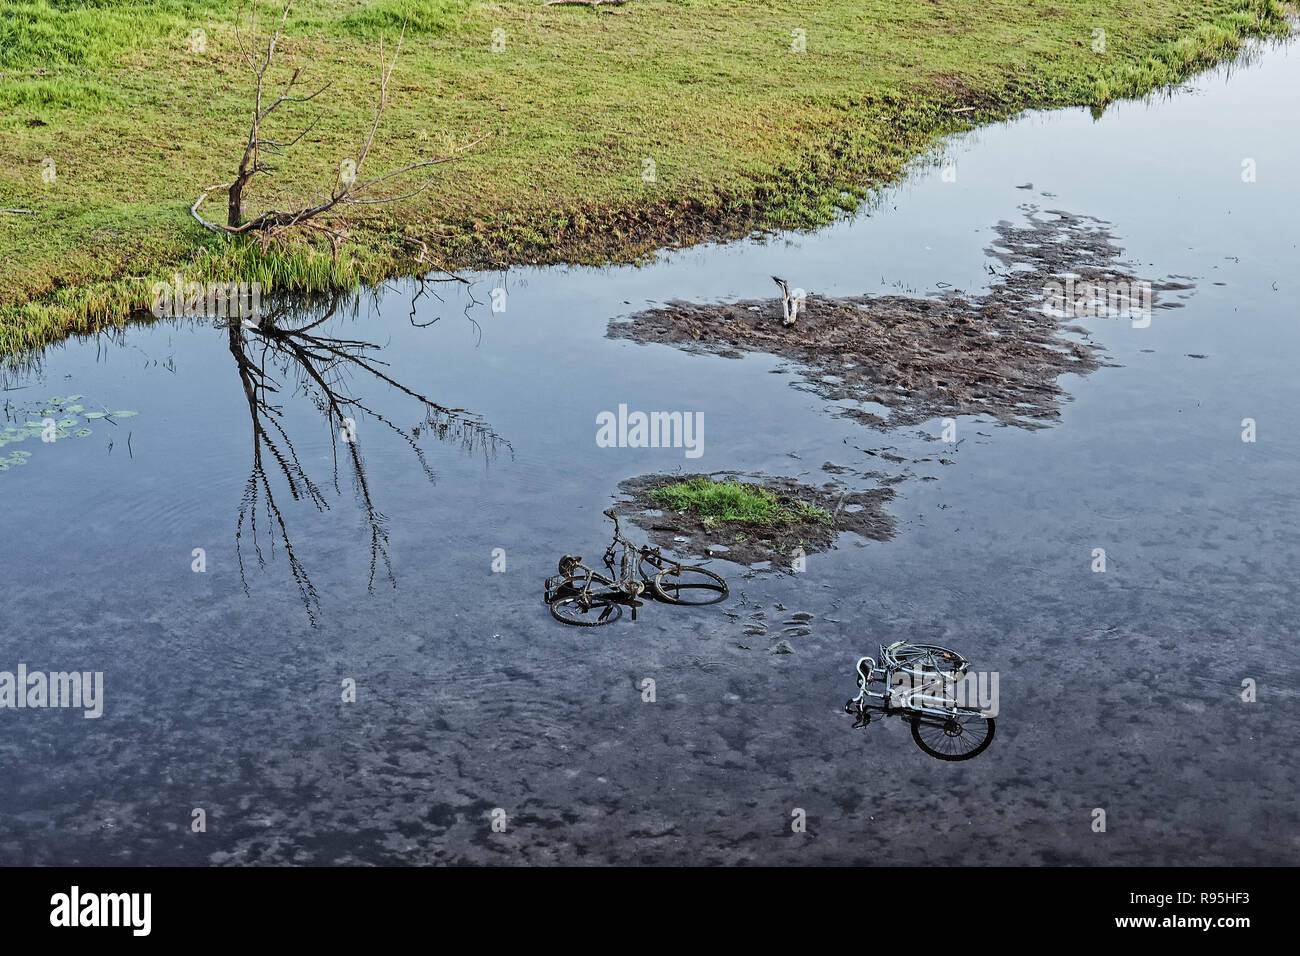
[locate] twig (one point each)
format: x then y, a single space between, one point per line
194 210
20 212
424 247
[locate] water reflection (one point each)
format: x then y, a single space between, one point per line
289 354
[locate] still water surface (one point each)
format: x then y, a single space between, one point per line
1118 690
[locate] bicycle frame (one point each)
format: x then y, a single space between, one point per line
630 578
932 697
630 574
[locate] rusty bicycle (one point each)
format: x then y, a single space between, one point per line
585 597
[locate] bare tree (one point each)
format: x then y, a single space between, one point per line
349 188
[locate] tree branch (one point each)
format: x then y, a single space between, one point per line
274 223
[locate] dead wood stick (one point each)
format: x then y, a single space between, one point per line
194 210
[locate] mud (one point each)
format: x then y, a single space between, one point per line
999 354
685 535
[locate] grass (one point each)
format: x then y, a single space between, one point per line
736 502
743 132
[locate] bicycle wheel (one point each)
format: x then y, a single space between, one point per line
573 602
561 585
686 585
962 736
922 659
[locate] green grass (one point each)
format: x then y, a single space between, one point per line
736 502
743 132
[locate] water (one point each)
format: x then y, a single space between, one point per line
1119 690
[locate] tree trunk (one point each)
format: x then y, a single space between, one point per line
233 215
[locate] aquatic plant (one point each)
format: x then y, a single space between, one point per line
68 416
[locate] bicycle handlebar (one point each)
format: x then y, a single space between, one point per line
618 532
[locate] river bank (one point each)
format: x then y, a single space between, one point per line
611 134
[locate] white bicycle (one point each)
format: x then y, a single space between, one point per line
920 681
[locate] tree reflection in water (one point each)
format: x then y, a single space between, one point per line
288 355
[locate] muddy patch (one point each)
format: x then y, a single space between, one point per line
898 360
685 534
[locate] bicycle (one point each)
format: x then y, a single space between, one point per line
921 679
584 597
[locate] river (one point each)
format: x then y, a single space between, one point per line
1119 690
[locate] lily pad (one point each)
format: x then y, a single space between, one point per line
53 418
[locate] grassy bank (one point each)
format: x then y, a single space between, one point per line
743 132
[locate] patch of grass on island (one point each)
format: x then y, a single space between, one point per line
751 518
737 502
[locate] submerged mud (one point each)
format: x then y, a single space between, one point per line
686 534
1000 354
